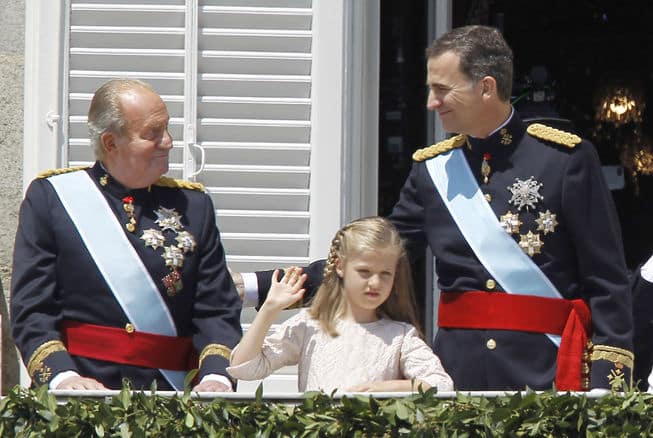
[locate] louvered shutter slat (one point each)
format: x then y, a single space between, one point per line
121 38
254 124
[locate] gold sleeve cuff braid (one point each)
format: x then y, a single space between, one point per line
553 135
41 353
440 148
613 354
215 349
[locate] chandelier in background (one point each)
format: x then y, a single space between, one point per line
618 118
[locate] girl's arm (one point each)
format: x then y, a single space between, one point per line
282 294
390 386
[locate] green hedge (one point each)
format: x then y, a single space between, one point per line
26 413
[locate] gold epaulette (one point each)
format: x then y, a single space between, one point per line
440 147
164 181
52 172
554 135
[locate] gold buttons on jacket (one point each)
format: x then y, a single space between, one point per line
129 328
488 197
491 344
490 284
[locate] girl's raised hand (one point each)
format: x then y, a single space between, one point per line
287 291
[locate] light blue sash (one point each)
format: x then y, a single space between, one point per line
116 259
501 256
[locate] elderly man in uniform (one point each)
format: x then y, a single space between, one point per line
524 231
119 273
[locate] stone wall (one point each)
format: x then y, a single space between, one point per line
12 44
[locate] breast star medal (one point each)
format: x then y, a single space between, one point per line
546 222
510 222
185 241
153 238
530 243
525 193
168 219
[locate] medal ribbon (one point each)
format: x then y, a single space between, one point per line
116 259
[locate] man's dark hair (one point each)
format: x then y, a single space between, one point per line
482 51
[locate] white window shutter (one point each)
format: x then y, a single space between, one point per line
121 38
254 108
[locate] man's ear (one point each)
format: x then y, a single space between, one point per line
489 86
108 140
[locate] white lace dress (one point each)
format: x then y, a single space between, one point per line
376 351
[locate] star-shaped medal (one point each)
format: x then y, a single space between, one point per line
525 193
173 256
168 219
510 222
546 222
530 243
186 241
153 238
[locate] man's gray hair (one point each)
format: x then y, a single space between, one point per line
105 112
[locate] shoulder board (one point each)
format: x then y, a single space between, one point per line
440 147
52 172
164 181
554 135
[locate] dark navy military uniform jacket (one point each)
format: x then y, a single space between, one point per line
55 279
643 339
583 258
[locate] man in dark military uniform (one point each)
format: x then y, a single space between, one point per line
643 318
524 232
118 272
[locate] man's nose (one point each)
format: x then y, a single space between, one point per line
166 142
432 102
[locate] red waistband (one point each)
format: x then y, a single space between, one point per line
502 311
142 349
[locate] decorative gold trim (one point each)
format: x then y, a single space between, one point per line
41 353
554 135
164 181
52 172
613 354
215 349
440 147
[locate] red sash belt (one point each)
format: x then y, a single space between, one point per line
502 311
137 348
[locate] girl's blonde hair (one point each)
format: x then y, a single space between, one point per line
362 235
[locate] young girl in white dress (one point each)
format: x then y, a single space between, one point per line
359 333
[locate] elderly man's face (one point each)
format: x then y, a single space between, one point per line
140 155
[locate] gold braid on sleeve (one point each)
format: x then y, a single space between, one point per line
613 354
41 353
215 349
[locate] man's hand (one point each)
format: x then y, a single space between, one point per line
212 386
287 291
238 281
79 382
